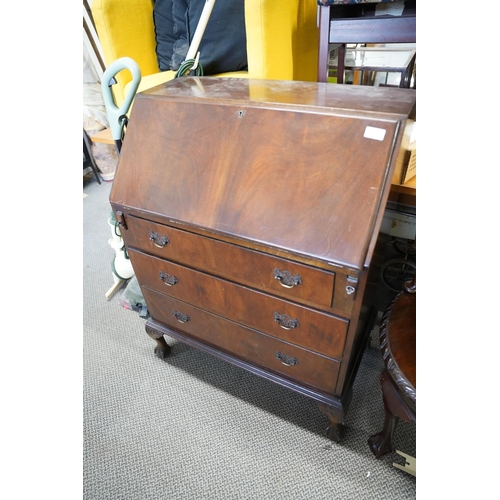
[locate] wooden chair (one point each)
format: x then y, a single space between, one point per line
342 22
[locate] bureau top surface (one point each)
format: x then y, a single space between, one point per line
272 93
298 166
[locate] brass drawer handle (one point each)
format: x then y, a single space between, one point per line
287 279
159 241
168 279
181 317
285 321
286 359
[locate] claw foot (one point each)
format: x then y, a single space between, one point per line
333 432
163 351
380 444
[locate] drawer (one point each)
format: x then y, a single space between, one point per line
300 325
281 357
278 276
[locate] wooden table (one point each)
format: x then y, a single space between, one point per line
406 191
398 380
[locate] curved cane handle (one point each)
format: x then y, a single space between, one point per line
116 115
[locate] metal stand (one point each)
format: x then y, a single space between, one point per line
88 157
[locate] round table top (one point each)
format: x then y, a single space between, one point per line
401 333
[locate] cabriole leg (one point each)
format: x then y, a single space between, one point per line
381 443
162 349
395 409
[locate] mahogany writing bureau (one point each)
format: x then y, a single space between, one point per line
250 210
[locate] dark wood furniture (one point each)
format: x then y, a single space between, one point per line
398 380
251 210
357 23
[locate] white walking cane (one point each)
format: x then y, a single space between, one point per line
191 63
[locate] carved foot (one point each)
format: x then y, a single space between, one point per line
162 349
380 444
334 431
335 421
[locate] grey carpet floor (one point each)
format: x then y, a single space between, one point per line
194 427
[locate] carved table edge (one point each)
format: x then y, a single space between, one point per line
392 367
